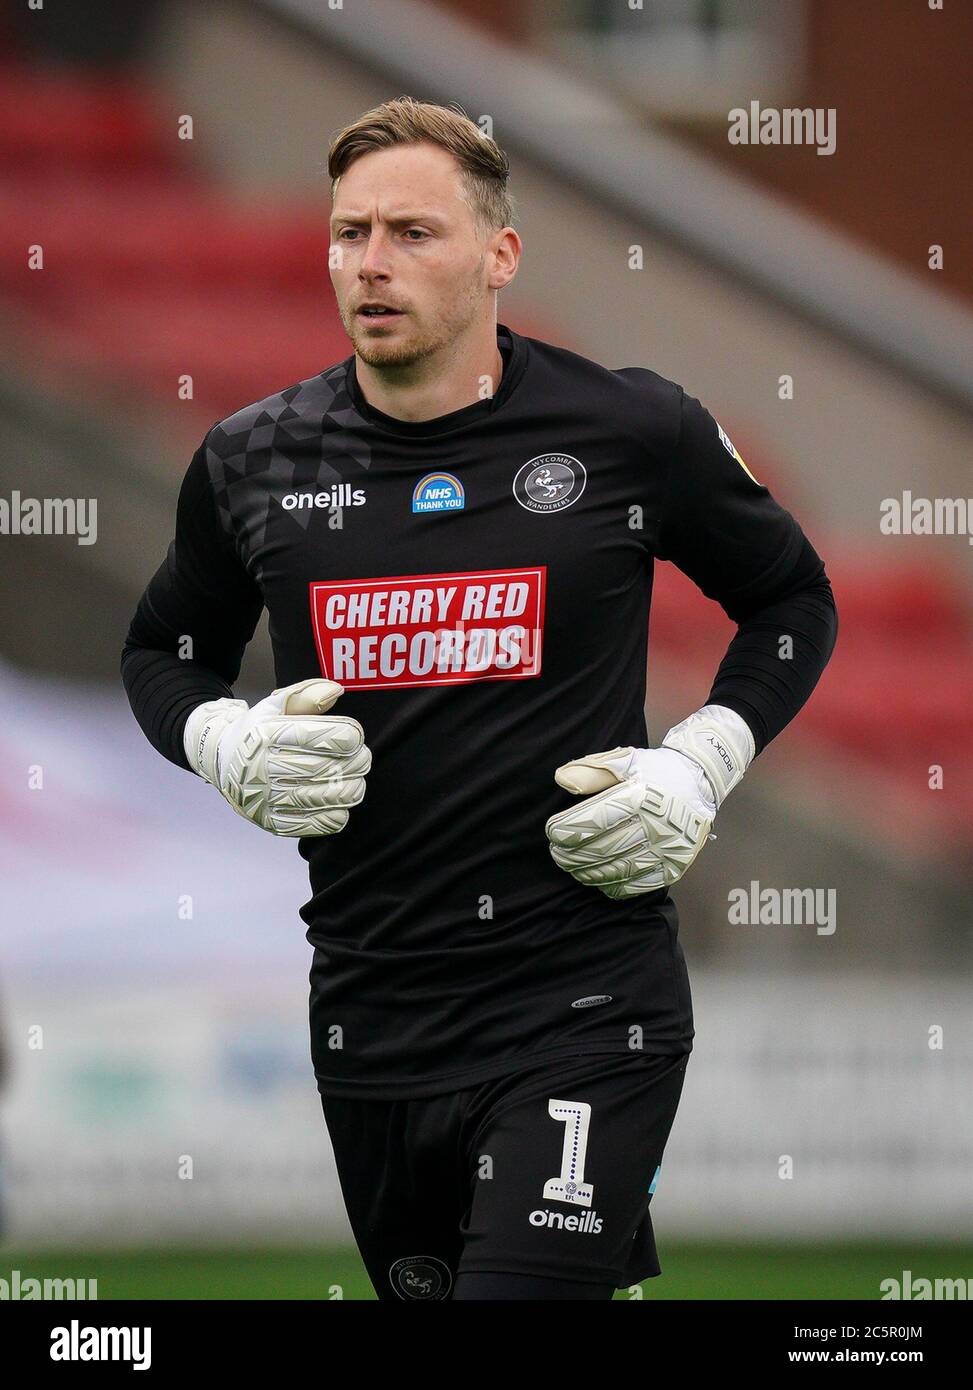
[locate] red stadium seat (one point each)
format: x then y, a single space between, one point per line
894 619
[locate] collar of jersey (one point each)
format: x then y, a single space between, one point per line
513 349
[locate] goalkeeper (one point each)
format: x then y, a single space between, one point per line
458 585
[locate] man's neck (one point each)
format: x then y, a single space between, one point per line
434 392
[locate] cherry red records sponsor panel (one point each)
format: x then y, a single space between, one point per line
430 629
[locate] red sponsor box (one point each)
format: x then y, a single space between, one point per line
429 629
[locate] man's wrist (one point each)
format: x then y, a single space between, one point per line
202 732
720 741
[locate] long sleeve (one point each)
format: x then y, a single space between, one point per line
186 640
741 548
777 656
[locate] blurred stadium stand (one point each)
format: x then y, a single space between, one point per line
166 258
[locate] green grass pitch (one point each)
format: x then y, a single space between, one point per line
690 1271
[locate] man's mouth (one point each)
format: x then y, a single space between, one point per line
378 313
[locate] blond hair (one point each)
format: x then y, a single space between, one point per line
406 121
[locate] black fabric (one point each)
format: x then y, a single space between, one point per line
754 677
548 1173
201 592
712 514
448 946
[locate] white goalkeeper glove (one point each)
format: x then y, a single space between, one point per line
648 811
286 764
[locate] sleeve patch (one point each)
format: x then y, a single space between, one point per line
730 449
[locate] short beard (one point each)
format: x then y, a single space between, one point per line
391 354
388 353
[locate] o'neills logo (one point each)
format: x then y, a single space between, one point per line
340 495
430 629
589 1223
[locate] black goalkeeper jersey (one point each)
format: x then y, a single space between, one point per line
480 585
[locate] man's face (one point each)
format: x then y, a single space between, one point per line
408 241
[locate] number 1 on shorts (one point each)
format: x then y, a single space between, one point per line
575 1115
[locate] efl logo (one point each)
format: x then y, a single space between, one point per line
429 629
438 492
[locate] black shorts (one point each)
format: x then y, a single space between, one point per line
548 1171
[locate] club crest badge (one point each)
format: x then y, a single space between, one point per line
421 1277
549 483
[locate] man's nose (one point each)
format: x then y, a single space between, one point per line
374 260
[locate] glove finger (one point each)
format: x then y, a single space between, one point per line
645 883
634 869
316 796
329 734
598 865
595 772
304 698
300 823
595 814
623 877
295 766
310 697
627 837
644 870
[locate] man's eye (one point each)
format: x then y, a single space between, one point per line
416 233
